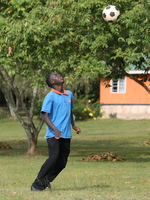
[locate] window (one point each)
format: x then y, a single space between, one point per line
118 85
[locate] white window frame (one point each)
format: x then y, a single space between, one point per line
117 83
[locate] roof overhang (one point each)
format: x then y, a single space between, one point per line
137 72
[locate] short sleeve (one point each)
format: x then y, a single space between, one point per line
47 104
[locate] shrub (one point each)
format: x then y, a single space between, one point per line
85 109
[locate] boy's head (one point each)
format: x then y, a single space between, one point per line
48 80
54 79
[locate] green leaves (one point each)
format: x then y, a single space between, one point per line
72 37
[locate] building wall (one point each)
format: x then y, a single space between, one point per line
133 104
126 111
135 94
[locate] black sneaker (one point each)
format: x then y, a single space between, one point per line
35 189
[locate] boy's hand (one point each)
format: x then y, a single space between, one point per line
57 134
77 129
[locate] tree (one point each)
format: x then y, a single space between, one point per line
19 65
108 48
70 37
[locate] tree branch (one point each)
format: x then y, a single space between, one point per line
121 70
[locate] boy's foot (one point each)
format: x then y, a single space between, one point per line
35 189
48 187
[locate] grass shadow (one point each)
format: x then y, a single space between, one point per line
80 149
124 149
84 187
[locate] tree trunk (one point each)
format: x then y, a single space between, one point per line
32 146
10 101
32 135
30 128
13 115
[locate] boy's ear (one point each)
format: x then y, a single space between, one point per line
51 82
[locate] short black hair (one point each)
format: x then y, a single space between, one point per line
48 80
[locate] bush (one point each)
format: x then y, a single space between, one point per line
37 110
85 109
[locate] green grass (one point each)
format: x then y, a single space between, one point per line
80 180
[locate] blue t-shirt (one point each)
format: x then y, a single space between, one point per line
59 106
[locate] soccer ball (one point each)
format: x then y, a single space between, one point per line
110 13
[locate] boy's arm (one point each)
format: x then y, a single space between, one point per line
51 125
77 129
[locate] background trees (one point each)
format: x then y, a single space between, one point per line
69 37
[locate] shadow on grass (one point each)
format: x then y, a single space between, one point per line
77 188
80 149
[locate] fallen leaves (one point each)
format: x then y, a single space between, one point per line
146 143
4 145
104 157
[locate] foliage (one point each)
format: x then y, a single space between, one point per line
71 37
85 109
37 110
85 87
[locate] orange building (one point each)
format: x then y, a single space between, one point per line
125 98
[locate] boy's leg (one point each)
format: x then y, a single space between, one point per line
62 159
42 181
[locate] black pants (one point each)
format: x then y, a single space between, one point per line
59 150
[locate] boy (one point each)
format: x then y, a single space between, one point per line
57 114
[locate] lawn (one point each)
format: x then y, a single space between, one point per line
81 180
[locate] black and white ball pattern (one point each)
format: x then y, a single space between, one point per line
111 13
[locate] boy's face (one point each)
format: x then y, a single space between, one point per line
56 79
